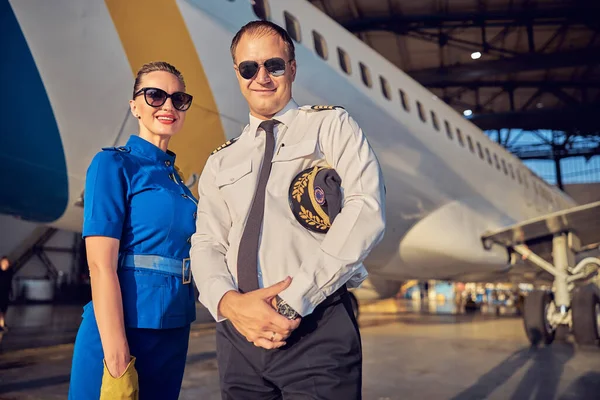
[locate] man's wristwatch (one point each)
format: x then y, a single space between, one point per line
285 309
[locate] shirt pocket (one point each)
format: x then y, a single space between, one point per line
231 175
302 149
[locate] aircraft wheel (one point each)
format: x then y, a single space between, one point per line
539 305
586 315
354 301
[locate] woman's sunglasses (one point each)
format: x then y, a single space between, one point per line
157 97
275 66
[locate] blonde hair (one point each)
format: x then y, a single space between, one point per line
152 67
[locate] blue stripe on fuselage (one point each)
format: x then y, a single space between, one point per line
33 177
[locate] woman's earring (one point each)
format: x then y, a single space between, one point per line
138 117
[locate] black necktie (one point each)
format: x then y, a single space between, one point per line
247 266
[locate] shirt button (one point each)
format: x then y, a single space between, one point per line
185 196
168 163
195 214
189 240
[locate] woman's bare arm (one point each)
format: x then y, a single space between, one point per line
102 255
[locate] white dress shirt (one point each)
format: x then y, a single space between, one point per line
318 263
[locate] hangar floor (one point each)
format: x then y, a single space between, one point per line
411 351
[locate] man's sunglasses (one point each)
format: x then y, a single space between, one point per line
157 97
275 66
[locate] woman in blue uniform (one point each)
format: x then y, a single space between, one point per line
138 218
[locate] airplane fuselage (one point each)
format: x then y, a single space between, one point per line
71 66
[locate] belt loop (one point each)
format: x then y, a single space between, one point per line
186 271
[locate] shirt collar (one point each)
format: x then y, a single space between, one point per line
146 149
285 116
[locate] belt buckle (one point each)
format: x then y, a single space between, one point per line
186 271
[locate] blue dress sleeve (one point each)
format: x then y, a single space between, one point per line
105 196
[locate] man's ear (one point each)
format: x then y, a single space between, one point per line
293 69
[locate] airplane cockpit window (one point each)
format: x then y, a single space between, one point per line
496 162
470 142
292 26
261 9
459 136
344 61
404 100
479 150
434 121
488 156
504 167
365 74
449 129
421 112
320 45
385 88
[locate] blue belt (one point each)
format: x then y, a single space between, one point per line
158 263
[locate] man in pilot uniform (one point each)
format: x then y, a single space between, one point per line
279 290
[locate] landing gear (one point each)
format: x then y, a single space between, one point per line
586 315
574 302
537 318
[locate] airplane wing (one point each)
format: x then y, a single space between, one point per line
582 223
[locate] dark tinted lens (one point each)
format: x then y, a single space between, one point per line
155 97
275 66
248 69
181 101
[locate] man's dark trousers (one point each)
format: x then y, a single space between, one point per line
322 359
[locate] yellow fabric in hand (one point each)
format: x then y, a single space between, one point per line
125 387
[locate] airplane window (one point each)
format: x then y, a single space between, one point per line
496 162
261 9
448 130
421 112
434 121
471 147
488 156
459 136
512 173
404 101
292 26
385 88
344 61
504 167
365 74
320 45
525 181
519 176
479 150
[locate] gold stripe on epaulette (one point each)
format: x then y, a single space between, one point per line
226 144
321 108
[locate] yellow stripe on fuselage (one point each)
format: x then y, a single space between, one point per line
154 30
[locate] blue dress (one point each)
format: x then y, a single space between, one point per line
133 193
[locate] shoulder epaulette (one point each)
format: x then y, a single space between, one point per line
122 149
322 108
226 144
